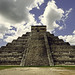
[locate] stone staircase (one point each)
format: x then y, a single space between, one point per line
36 54
37 48
62 52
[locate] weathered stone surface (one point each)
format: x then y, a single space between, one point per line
37 48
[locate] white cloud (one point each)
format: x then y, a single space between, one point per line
16 13
74 32
51 14
21 29
68 38
1 36
36 3
4 27
65 16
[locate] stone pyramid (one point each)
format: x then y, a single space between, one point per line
37 48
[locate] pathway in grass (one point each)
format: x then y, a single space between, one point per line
37 71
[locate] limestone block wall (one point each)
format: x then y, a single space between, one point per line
37 48
12 53
38 29
63 53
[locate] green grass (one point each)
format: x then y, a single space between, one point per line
65 67
7 67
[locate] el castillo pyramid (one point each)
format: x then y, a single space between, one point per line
37 48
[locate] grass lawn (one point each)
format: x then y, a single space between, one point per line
65 67
7 67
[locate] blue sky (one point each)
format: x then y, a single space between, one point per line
17 16
70 23
65 5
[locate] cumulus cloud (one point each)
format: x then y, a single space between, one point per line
74 32
1 36
35 3
69 38
4 27
16 13
51 14
21 29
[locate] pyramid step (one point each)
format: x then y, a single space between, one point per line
10 59
66 59
10 62
10 54
37 48
65 63
63 54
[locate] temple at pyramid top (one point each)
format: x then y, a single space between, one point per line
38 29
